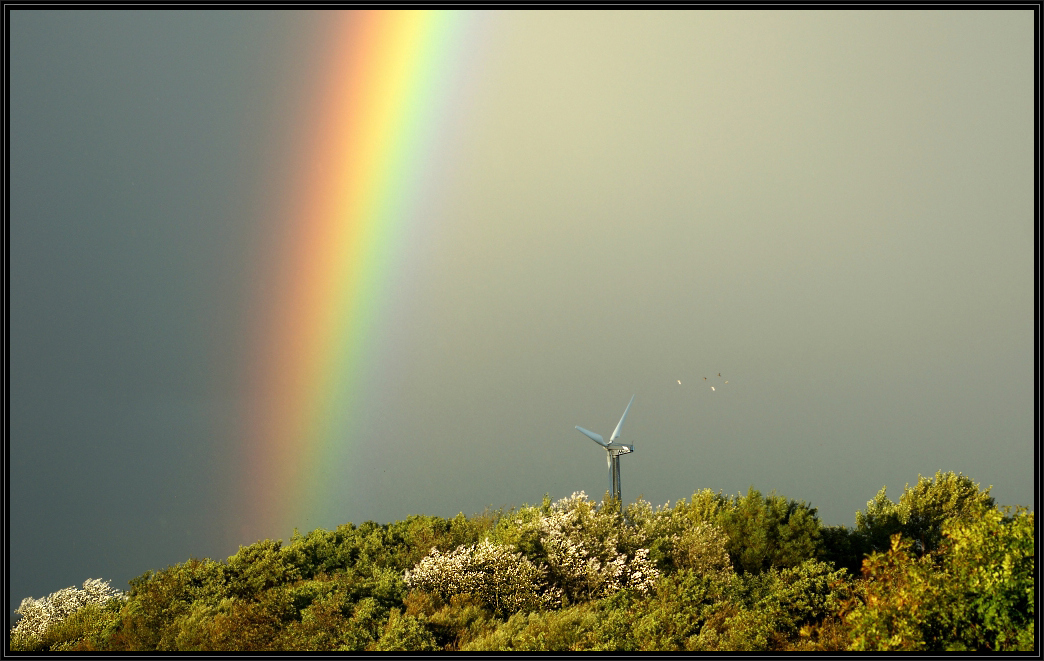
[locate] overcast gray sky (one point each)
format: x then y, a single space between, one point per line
834 210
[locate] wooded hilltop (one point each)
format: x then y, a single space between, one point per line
943 568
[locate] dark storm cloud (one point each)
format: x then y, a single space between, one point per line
127 147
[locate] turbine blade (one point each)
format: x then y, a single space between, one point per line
591 435
619 425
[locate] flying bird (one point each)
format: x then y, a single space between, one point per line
679 382
712 387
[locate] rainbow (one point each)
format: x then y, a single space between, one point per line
381 95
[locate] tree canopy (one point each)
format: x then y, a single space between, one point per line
941 569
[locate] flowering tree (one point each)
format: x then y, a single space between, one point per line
585 547
39 615
571 549
506 580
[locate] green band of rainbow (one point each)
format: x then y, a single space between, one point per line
382 91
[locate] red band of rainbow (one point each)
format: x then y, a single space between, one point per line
381 95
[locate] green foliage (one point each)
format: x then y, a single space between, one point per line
770 531
563 630
761 531
992 562
454 624
157 600
921 511
674 616
365 625
975 592
405 633
259 567
520 529
766 611
946 571
843 547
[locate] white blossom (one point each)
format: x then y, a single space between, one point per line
586 546
506 580
589 552
38 615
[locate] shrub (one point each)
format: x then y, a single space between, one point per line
975 592
921 511
40 618
715 573
505 580
569 629
158 600
405 633
589 550
769 531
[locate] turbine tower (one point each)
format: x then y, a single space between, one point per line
613 451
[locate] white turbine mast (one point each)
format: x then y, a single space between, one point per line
613 452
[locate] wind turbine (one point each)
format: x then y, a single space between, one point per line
613 450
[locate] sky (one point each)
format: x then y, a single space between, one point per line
833 210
